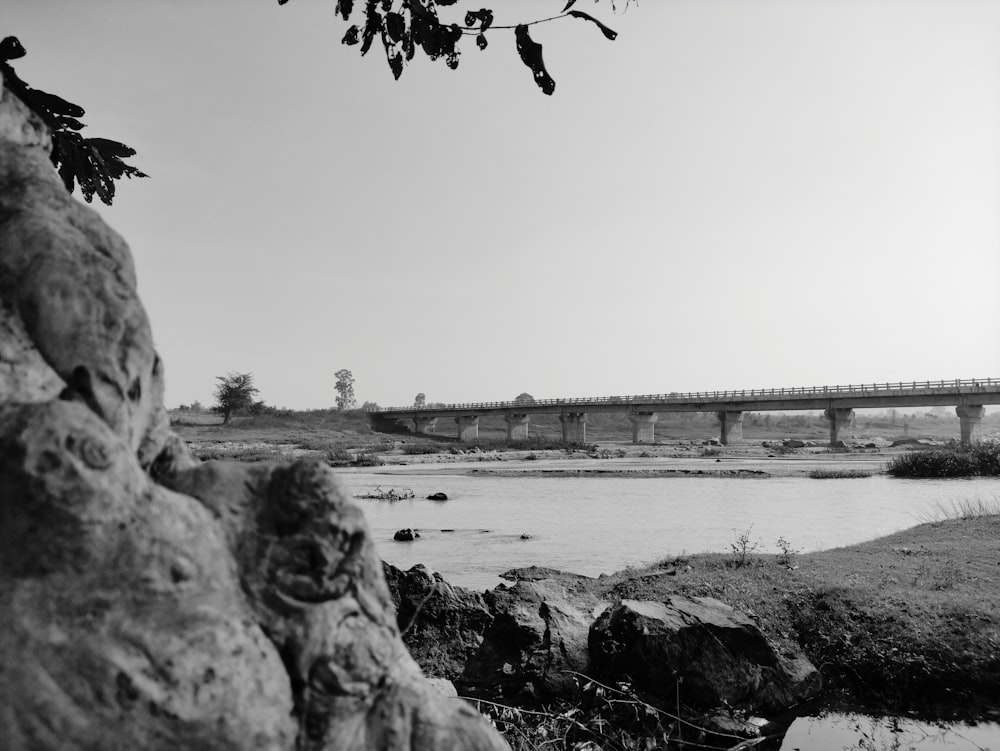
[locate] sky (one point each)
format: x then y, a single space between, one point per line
733 194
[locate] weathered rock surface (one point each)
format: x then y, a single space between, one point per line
147 600
442 625
537 641
718 654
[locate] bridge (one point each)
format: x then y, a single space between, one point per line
838 403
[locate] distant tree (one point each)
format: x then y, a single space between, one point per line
234 392
345 389
414 26
370 407
524 398
420 400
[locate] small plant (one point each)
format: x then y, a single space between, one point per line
838 474
743 548
711 451
787 551
531 457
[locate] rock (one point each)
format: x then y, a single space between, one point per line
793 443
148 600
719 654
405 535
537 573
539 632
437 497
442 624
444 687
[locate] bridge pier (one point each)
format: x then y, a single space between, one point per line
517 426
970 418
424 424
841 419
574 427
468 427
730 426
643 426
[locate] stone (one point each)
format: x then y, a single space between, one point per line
437 497
148 600
405 535
710 653
535 644
442 624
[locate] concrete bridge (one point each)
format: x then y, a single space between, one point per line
837 402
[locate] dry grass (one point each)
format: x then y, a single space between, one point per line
906 622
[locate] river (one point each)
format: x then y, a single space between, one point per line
600 524
594 524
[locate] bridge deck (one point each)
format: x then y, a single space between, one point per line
912 394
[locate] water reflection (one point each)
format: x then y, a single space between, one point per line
854 731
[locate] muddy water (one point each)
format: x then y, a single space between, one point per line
595 524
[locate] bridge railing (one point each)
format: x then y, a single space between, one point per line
863 389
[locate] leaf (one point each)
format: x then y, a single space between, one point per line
531 55
53 104
351 36
107 148
569 5
344 8
395 26
481 41
609 33
396 65
483 15
11 49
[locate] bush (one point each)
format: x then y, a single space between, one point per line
981 459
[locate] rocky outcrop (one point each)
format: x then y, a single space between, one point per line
148 600
702 648
536 643
442 625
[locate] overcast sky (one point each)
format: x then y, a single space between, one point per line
734 194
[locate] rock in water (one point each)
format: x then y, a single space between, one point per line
148 601
717 654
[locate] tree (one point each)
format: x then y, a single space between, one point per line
524 398
420 400
345 389
235 392
414 25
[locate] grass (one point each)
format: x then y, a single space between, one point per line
839 474
981 459
908 622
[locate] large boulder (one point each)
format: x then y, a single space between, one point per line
710 653
442 624
536 643
148 600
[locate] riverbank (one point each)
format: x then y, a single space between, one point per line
908 623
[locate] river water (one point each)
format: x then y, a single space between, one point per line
589 525
594 524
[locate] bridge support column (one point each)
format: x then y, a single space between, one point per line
468 427
424 424
970 418
517 426
574 427
841 419
643 426
731 426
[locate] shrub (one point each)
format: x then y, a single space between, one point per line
981 459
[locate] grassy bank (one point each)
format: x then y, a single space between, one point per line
908 622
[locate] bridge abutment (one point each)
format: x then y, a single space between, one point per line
643 426
840 419
517 427
970 419
468 427
574 427
424 424
730 426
